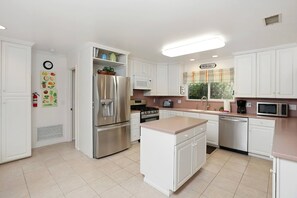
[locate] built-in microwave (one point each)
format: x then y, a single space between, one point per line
141 82
272 109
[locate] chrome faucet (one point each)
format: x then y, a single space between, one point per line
206 100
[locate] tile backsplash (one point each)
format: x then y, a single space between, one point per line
158 101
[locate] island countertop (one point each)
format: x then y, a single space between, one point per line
173 125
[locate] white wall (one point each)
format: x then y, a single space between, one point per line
48 116
221 64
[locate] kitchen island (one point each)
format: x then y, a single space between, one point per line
172 150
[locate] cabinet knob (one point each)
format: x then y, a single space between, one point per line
186 135
271 171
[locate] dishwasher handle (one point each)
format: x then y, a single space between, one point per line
232 119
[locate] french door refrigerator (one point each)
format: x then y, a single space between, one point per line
111 114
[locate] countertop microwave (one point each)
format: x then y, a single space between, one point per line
272 109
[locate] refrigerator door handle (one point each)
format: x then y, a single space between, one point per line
114 126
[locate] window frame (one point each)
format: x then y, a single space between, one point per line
208 95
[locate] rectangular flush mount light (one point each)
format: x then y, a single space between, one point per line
194 47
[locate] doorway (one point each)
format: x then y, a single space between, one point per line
73 104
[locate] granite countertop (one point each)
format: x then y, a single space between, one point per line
173 125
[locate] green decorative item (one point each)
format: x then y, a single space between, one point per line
113 57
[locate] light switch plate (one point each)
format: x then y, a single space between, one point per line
292 107
248 104
178 101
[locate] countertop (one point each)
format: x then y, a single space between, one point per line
285 135
285 139
173 125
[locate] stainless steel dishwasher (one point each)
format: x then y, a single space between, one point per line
233 133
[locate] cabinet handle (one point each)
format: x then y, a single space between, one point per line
186 135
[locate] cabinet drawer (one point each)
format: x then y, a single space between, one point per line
209 117
262 122
183 136
199 129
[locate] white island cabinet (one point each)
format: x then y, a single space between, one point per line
172 150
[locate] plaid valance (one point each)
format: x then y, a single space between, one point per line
217 75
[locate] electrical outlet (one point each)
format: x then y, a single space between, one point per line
178 101
248 104
292 107
154 100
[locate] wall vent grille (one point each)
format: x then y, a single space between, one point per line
272 20
50 132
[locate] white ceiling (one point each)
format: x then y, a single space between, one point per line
143 27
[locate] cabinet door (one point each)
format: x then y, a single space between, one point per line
212 133
198 152
152 75
162 79
260 140
183 167
135 126
286 73
191 115
16 69
266 74
16 128
174 80
286 179
245 75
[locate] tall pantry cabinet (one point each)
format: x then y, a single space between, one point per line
15 100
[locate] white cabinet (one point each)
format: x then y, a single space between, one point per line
191 115
284 178
15 102
174 79
164 114
286 73
245 75
16 128
135 126
183 152
169 160
212 129
162 79
16 69
261 133
266 74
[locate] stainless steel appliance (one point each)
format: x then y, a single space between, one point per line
167 103
111 114
241 106
233 133
272 109
146 113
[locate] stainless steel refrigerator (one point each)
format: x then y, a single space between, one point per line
111 114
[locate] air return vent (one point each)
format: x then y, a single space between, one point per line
272 20
50 132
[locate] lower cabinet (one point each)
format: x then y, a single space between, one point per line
190 156
261 133
284 178
212 130
168 160
135 126
15 128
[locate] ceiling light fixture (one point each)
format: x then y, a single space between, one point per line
192 59
2 27
193 47
215 56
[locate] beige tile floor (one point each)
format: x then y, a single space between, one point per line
61 171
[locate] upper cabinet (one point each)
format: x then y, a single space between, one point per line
245 75
16 69
267 74
286 73
163 79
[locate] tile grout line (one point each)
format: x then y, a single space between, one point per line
26 182
215 176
